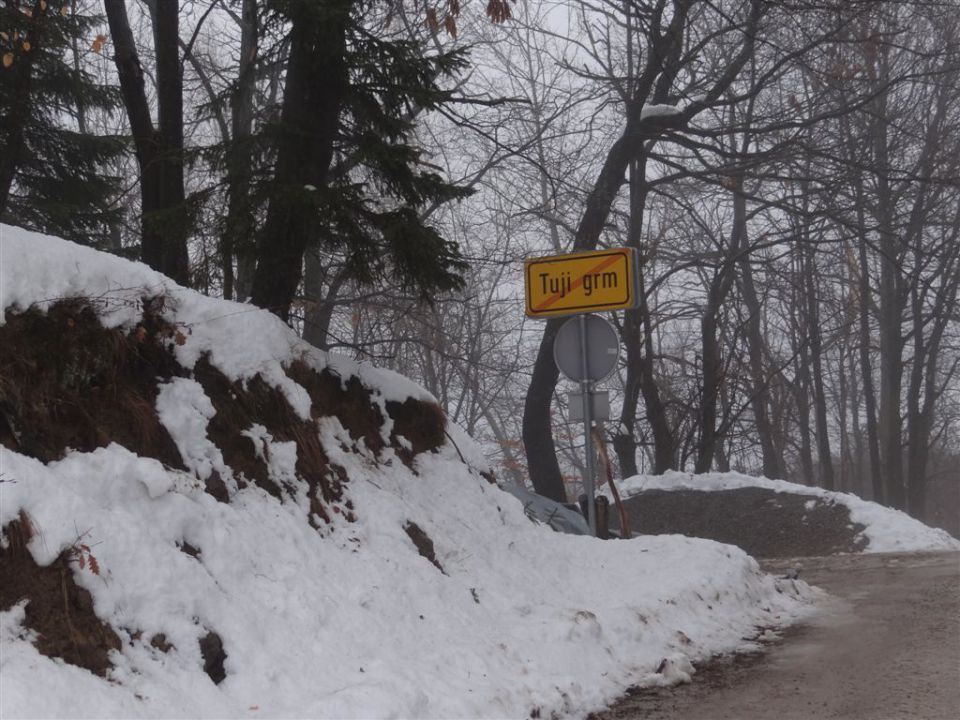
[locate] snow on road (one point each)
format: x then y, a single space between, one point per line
886 644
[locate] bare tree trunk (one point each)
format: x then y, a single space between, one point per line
866 365
723 280
760 383
538 442
159 151
815 342
924 374
239 228
891 296
319 305
638 340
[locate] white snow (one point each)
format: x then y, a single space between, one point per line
648 111
350 620
241 340
886 529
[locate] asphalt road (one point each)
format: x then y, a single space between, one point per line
885 646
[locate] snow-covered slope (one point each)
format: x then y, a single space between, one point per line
334 617
885 529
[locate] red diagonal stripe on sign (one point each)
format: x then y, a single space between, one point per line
602 266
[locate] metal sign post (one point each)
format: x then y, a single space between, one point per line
586 388
586 350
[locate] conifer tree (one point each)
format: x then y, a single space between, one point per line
52 175
349 175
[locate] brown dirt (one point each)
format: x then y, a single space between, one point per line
422 424
59 611
423 543
349 401
764 523
213 654
68 382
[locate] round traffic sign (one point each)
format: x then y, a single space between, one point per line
602 346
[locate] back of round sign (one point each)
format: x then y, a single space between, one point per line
602 345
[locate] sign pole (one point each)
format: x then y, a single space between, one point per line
586 389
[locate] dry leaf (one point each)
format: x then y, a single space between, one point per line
498 11
43 4
81 561
450 25
140 333
98 42
26 46
7 59
432 19
94 565
4 36
179 338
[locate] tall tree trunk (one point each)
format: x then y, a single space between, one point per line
889 434
759 381
320 304
316 84
638 340
664 437
866 364
710 387
239 228
858 450
814 338
924 374
159 152
891 354
538 442
712 365
802 382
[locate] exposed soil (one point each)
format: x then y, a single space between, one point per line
213 654
423 543
764 523
58 610
66 382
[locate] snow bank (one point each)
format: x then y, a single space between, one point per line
348 620
886 530
242 340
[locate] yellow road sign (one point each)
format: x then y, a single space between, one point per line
581 282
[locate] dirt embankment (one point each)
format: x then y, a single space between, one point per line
67 382
764 523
